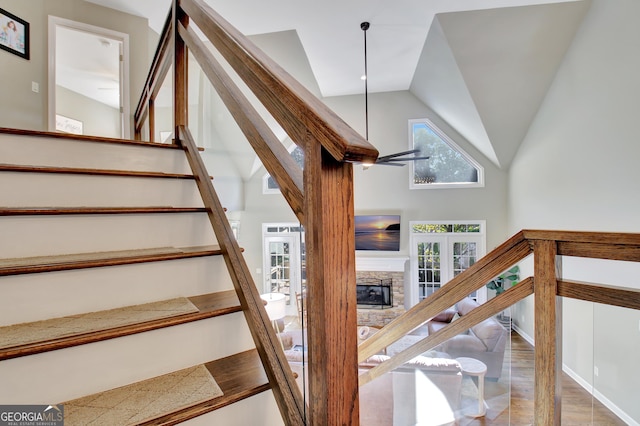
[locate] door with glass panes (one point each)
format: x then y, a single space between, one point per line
283 265
437 258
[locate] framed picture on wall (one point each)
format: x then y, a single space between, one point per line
14 34
378 232
68 125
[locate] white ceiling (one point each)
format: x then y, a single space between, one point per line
482 65
88 64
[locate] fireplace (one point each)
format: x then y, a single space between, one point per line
374 293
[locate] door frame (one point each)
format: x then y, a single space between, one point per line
125 107
411 288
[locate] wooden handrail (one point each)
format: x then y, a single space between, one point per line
274 155
598 293
296 109
157 73
276 365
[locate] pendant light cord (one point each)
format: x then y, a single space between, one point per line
365 26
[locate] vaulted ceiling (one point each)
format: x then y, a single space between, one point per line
484 66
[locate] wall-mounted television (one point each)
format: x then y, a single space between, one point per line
377 232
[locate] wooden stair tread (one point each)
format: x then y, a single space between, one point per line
238 376
33 211
86 138
208 305
87 171
38 264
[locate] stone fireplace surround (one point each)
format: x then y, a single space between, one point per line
382 268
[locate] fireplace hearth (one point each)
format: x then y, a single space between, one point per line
374 293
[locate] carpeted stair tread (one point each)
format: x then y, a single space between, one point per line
239 376
56 328
42 336
25 265
146 400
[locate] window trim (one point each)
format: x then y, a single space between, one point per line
446 139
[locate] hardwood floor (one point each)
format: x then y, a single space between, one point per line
578 407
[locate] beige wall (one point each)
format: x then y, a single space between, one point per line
578 170
97 118
25 109
20 107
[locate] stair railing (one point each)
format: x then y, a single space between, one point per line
548 248
321 196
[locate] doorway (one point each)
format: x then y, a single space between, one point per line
88 79
284 262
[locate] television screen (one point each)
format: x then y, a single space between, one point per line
378 232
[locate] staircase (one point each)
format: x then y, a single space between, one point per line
111 281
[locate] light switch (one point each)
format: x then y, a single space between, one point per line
35 87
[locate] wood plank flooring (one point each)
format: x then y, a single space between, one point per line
578 407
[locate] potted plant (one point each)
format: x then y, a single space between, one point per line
507 279
501 283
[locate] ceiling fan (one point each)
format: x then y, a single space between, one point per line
392 159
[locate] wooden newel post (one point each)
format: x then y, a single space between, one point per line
331 290
548 334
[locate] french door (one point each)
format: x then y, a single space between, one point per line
284 262
439 252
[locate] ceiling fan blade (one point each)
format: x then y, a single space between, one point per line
398 154
387 163
404 159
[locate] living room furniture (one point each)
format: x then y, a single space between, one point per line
476 368
440 377
485 341
418 388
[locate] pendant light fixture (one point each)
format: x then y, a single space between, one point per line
388 160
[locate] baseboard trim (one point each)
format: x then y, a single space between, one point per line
524 335
586 385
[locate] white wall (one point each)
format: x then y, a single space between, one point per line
577 169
